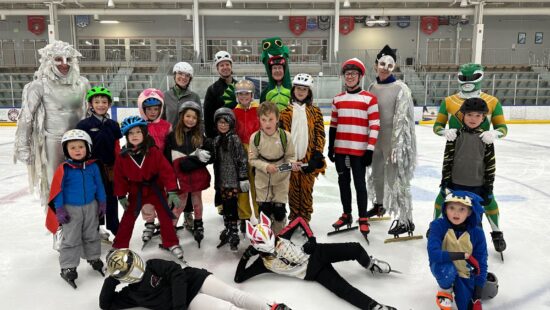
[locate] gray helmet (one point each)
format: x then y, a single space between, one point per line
490 289
227 114
191 105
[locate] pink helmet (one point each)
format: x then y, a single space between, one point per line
150 93
261 236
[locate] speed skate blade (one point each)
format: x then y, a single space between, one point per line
342 230
398 239
378 219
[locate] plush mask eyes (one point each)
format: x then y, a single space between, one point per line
278 43
267 45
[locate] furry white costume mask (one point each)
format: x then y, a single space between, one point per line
65 54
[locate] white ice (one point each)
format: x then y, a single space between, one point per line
29 270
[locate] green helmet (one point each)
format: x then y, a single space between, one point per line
99 91
470 77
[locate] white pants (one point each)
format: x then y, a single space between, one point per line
217 295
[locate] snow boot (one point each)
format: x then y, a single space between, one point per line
498 241
198 231
377 210
97 265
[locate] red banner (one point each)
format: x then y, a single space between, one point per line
429 24
347 23
36 24
297 24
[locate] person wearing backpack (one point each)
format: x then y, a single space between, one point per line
272 147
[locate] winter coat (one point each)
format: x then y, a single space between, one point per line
230 160
191 172
105 135
247 121
173 99
158 129
80 184
220 94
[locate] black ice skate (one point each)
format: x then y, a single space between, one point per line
364 228
400 227
498 242
69 275
377 213
97 265
344 220
378 306
224 237
280 307
198 231
233 236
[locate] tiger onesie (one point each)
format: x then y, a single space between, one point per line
300 192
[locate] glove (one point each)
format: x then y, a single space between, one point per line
62 215
244 185
202 155
476 305
472 261
331 154
309 245
251 251
449 134
367 158
487 196
102 209
174 200
123 202
488 137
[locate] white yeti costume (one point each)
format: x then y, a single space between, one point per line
52 104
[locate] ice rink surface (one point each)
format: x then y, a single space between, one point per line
29 269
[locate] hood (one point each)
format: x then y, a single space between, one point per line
474 219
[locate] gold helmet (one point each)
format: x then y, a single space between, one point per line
244 86
125 265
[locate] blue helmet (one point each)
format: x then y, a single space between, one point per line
131 122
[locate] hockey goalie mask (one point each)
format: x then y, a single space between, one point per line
470 77
126 266
261 236
59 62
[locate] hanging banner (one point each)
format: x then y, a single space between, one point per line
359 19
403 21
429 24
297 24
347 24
36 24
82 21
323 22
312 23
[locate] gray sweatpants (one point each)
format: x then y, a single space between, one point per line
380 171
80 235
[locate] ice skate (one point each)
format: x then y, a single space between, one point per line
147 234
344 220
233 236
364 228
69 275
224 236
175 250
198 231
498 242
377 213
400 227
280 307
188 220
444 300
378 306
380 266
97 265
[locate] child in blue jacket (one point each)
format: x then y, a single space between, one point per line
79 199
457 251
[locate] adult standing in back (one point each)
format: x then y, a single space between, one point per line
180 93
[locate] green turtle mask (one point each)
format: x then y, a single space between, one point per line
470 77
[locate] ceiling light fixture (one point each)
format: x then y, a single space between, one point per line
110 4
463 3
229 4
109 22
346 4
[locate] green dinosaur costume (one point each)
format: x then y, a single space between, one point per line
275 53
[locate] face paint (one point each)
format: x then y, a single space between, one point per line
386 63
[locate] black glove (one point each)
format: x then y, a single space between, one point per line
367 158
331 139
310 245
487 195
331 154
251 251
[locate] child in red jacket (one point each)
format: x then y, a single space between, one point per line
141 176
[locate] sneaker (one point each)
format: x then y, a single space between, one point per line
444 300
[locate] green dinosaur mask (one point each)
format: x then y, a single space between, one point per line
273 48
470 77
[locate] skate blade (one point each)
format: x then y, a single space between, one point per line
71 283
107 241
221 244
145 244
341 230
502 256
378 219
398 239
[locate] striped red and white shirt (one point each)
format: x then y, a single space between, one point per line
356 119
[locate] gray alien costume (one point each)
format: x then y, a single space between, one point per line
52 104
394 157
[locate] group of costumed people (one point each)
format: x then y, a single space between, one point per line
265 155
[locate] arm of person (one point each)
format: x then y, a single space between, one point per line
441 120
435 244
120 182
166 173
109 299
498 120
490 167
209 109
100 194
319 130
31 100
254 155
241 158
448 161
290 153
244 273
480 254
373 123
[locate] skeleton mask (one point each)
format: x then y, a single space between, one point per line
386 62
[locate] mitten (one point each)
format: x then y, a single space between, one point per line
472 261
174 200
367 158
449 134
488 137
102 209
62 215
244 185
123 202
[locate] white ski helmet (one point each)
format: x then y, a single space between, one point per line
303 79
125 265
261 236
184 67
74 135
222 56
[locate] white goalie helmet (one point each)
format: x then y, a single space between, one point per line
261 236
76 135
303 79
222 56
125 265
184 67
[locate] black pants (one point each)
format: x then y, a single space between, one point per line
358 170
320 269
